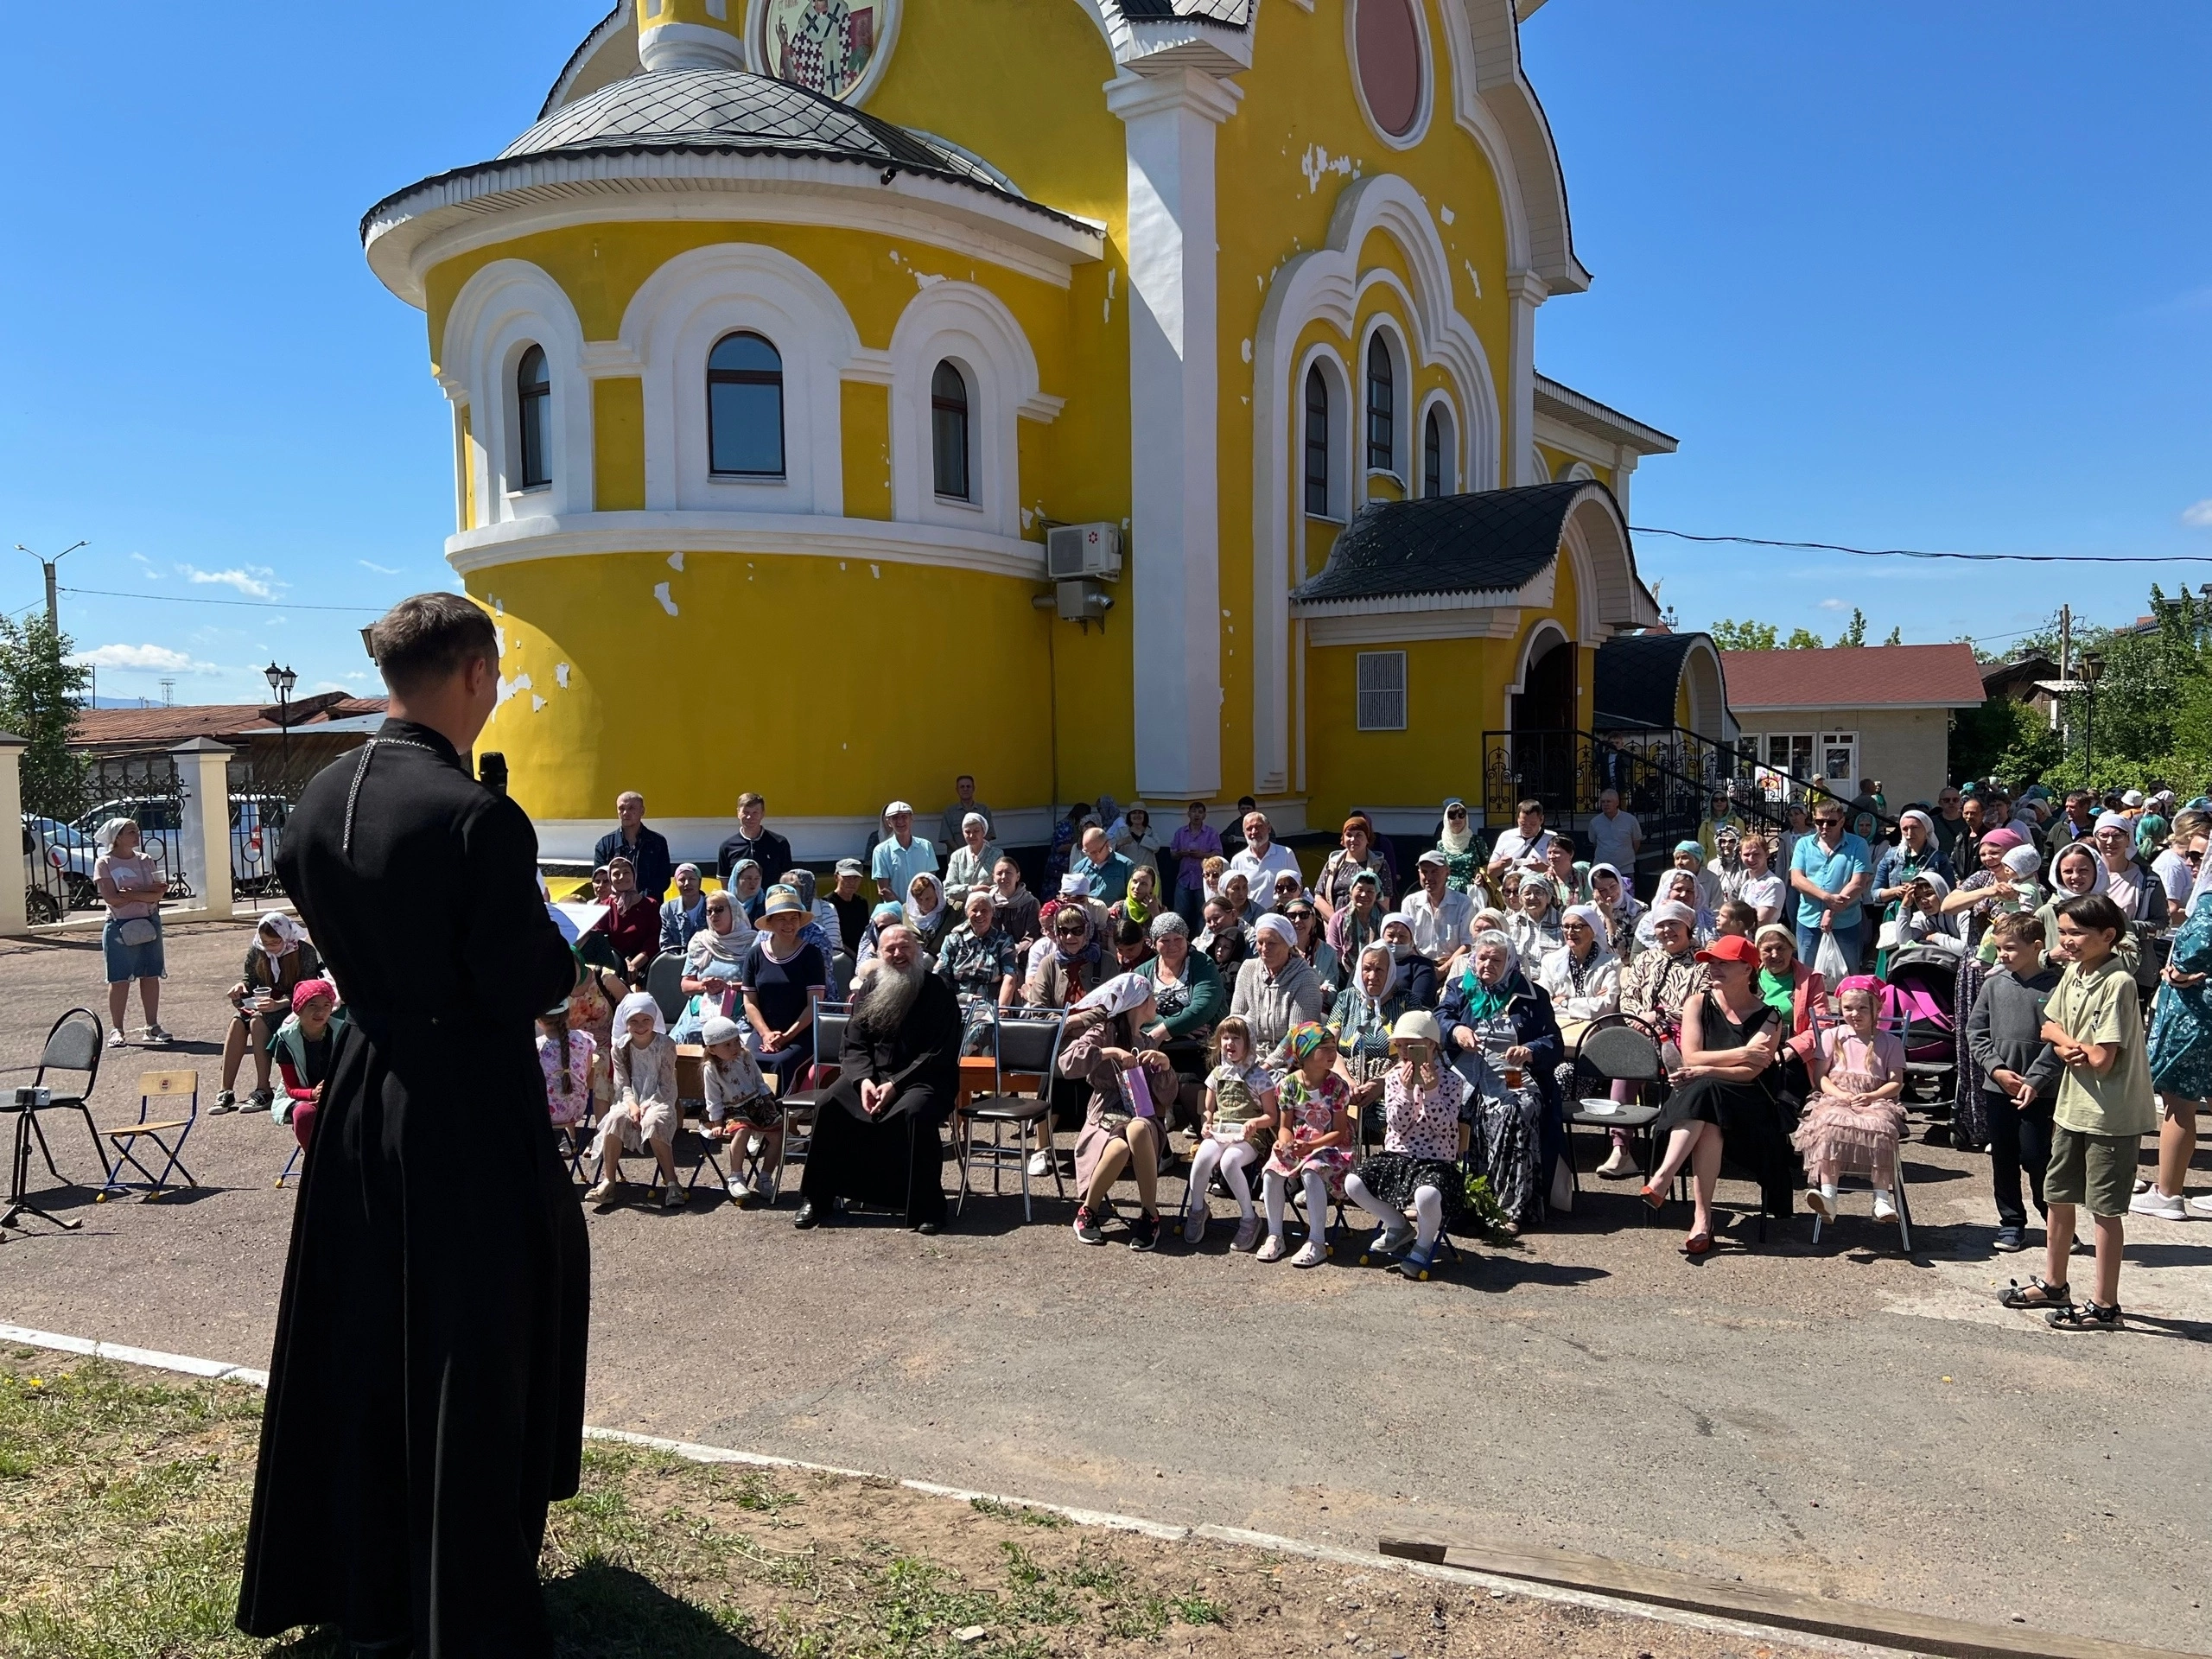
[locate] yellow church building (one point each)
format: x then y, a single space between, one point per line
1122 396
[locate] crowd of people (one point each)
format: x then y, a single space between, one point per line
1371 1034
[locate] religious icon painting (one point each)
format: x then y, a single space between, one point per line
835 47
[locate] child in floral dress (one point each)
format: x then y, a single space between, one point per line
1857 1118
1240 1119
1314 1141
1418 1168
569 1060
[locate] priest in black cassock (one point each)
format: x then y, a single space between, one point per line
876 1132
426 1394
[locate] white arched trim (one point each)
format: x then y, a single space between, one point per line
1709 688
973 327
1439 402
1540 639
1577 472
1614 595
500 313
670 327
1393 334
1323 286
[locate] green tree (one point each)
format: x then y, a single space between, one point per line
1731 635
1803 639
40 691
1897 637
2005 739
1856 633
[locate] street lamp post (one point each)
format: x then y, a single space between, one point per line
2093 669
280 682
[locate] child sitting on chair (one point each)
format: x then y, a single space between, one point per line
739 1105
569 1060
1314 1143
304 1047
645 1114
1240 1117
1858 1116
1419 1165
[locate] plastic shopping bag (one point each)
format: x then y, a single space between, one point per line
1829 963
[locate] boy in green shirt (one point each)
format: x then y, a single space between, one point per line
2093 1023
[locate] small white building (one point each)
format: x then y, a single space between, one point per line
1837 715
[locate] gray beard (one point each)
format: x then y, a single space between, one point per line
886 1000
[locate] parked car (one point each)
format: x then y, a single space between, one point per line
46 891
69 854
257 826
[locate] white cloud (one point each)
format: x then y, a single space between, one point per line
1835 604
152 659
146 565
252 581
381 569
2200 514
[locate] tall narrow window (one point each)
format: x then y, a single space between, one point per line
533 415
1432 457
1317 442
949 429
745 408
1381 408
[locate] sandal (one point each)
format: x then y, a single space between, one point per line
2087 1317
2037 1292
1697 1244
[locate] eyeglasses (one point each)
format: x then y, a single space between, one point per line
1829 824
1457 812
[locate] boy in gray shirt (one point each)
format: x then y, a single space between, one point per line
2020 1074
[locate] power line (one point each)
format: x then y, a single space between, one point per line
246 604
1916 553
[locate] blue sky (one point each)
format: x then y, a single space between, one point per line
1937 277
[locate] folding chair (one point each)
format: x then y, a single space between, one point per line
72 1045
169 1088
1614 1049
1024 1042
664 984
290 1164
830 1021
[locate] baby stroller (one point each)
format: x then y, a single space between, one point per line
1922 990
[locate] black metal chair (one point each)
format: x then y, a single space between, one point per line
72 1045
800 1107
1024 1041
664 984
1614 1049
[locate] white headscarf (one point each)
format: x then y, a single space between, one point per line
1389 961
1124 993
636 1003
1460 840
288 934
1279 924
2080 849
916 916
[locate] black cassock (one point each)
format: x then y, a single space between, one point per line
426 1394
896 1159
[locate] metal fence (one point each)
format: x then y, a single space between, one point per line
262 790
60 820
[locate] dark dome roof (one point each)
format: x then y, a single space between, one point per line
730 110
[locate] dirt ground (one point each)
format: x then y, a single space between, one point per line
1842 1419
127 1491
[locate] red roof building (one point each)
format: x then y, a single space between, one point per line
1850 712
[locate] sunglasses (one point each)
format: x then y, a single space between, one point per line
1457 812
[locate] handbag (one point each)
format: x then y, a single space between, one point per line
138 930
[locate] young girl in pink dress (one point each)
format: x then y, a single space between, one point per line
1856 1119
1314 1143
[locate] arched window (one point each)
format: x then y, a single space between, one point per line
745 408
1317 442
949 430
1435 455
1382 407
533 416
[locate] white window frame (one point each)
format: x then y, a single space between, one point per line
1362 691
1843 741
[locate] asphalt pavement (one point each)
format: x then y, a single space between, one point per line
1840 1419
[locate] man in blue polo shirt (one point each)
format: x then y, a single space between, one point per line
1830 870
1107 871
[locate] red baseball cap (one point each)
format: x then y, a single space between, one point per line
1730 947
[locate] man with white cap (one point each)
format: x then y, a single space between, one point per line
1443 921
900 856
1275 990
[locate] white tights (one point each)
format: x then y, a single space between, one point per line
1234 1158
1429 1209
1317 1202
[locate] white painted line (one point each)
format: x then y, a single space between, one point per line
215 1369
1366 1560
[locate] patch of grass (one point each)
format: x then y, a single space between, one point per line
1193 1607
1094 1571
1019 1512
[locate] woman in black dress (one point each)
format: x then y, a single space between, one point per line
1724 1091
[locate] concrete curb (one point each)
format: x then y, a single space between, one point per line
1335 1555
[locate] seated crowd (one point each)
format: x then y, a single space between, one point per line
1292 1028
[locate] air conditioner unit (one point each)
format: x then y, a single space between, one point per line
1072 551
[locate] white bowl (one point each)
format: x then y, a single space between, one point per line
1601 1108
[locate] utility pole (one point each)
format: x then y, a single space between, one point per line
2063 720
53 600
